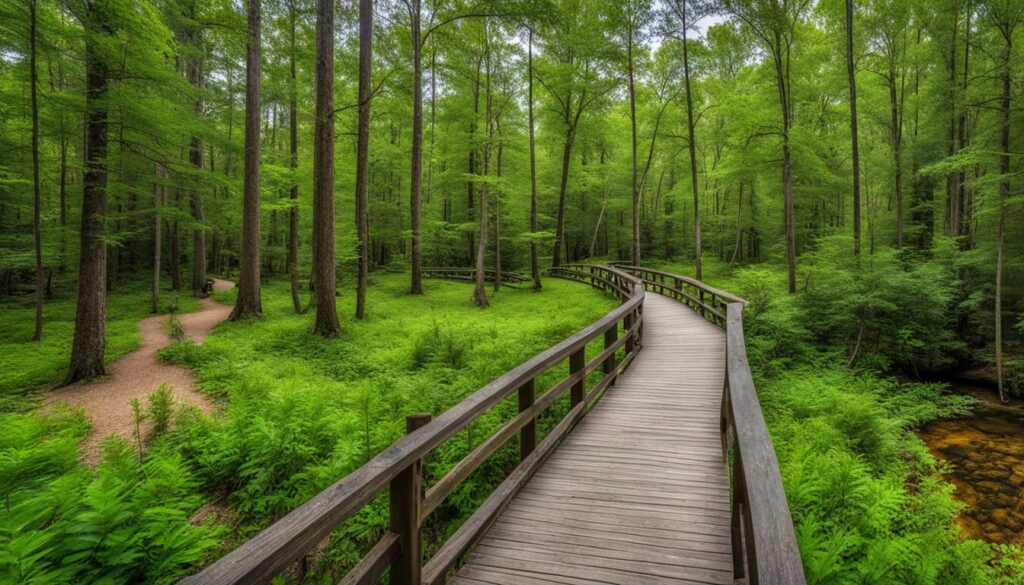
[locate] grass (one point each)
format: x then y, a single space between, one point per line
28 366
300 413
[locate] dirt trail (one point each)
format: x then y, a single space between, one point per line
135 375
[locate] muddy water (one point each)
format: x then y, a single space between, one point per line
986 455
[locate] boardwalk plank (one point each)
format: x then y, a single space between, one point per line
638 494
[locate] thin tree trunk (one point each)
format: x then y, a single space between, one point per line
416 178
782 80
37 226
363 163
632 120
89 345
194 72
159 198
852 76
692 148
249 303
326 323
556 253
293 162
479 290
1006 27
534 256
497 206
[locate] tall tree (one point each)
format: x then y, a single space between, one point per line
851 74
363 157
1005 16
89 345
326 322
683 21
37 205
479 289
634 15
534 259
416 177
774 24
192 35
293 162
249 303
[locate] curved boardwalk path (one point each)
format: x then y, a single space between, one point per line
638 493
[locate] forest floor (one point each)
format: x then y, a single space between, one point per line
107 402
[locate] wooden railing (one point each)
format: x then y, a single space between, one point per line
468 274
763 539
398 469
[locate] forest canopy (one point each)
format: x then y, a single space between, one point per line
852 168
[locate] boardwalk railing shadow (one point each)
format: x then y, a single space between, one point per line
762 529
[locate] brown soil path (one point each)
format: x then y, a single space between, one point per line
107 401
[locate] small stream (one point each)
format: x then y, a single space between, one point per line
986 454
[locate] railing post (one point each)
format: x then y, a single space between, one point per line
610 337
406 501
528 434
577 361
627 323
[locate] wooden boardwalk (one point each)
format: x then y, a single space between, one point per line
638 493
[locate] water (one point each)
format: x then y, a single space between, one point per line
986 455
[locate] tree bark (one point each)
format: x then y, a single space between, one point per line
479 289
363 162
782 80
249 303
534 256
159 198
293 163
692 147
416 178
326 323
37 226
89 345
194 72
852 76
632 120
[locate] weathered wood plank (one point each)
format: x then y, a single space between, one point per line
639 491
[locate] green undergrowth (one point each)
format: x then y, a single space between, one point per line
28 366
869 502
298 413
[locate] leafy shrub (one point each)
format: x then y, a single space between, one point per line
125 522
161 408
868 500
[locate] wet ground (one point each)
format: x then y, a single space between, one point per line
986 454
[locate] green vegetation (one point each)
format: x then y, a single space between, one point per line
303 413
30 366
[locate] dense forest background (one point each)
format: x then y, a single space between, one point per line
853 169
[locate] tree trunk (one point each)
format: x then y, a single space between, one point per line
1006 26
556 253
249 303
363 162
37 226
692 147
497 207
293 162
534 256
89 345
632 121
782 80
326 323
479 290
416 178
194 71
159 198
852 76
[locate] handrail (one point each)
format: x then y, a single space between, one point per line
399 469
460 273
763 538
